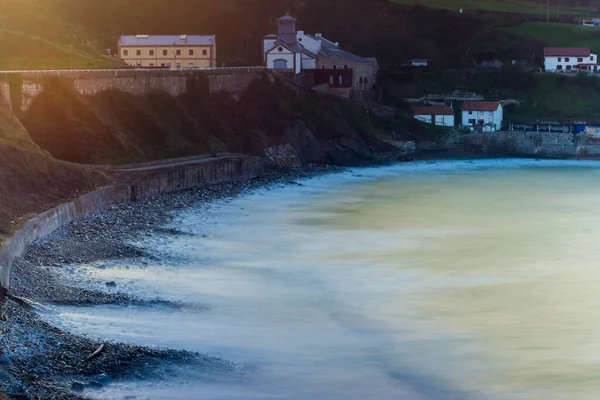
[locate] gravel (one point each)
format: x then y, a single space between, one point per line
38 360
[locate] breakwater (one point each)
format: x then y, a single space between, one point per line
156 181
531 144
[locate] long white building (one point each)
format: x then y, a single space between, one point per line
569 59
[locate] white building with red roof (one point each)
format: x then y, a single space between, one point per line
484 116
441 115
569 59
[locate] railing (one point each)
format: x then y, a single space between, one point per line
185 70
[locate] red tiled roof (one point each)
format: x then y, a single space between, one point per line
566 51
480 106
432 110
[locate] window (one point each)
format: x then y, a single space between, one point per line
566 59
177 52
470 112
191 65
345 67
341 81
139 65
125 52
335 67
191 52
580 59
322 67
568 67
178 65
169 65
559 67
331 79
204 52
151 52
138 52
591 58
162 65
152 64
559 59
165 52
471 121
280 49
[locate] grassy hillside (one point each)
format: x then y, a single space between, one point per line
34 34
579 98
559 35
572 8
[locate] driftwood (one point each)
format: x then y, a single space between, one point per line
96 353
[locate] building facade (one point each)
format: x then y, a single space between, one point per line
435 115
483 116
298 51
168 51
569 59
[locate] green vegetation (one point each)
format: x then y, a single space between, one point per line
115 127
558 35
560 98
571 9
21 51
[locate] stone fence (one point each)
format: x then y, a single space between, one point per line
18 89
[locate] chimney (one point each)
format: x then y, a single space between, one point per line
318 34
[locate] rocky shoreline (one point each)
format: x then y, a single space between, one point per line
38 360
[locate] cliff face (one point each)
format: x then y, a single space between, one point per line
113 127
30 180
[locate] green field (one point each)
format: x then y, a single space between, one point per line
559 35
33 35
567 8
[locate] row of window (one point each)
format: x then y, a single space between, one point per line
164 52
579 59
167 65
334 66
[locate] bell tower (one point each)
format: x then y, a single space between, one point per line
286 29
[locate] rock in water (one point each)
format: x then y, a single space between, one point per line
77 387
111 284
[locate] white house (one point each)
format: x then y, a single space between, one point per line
569 59
593 22
485 116
436 115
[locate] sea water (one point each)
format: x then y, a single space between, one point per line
444 280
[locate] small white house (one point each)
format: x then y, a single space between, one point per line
569 59
435 115
485 116
593 22
419 62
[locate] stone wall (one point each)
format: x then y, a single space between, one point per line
526 143
138 82
160 181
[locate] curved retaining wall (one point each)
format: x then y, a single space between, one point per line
158 181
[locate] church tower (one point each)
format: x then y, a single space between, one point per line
286 29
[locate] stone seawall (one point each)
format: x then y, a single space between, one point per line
531 144
19 89
159 181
